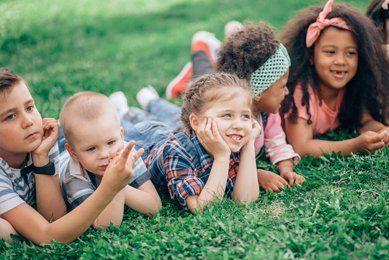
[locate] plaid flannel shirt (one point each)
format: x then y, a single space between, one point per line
183 166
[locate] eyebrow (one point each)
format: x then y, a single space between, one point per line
14 109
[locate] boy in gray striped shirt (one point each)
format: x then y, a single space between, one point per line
31 202
92 129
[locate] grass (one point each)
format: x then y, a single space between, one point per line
62 47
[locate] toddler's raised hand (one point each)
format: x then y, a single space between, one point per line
49 138
211 139
371 141
120 169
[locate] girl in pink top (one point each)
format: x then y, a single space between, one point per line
338 71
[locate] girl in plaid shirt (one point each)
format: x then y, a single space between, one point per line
214 154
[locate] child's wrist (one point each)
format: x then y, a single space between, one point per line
40 160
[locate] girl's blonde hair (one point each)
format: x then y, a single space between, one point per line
208 89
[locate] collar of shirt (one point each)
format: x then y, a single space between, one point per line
26 168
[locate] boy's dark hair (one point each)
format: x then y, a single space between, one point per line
8 79
199 95
378 15
362 91
245 51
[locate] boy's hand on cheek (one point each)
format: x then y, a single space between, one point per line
211 139
120 168
49 138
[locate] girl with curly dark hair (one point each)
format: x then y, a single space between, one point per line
338 72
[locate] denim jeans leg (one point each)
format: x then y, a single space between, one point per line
165 112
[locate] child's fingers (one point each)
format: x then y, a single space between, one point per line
300 179
208 127
134 156
126 153
376 146
215 130
291 180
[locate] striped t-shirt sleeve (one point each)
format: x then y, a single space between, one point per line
9 199
141 174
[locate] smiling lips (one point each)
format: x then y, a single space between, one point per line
339 74
236 137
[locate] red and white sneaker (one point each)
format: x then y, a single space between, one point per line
180 83
206 42
201 41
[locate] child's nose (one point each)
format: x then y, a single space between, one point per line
26 121
237 123
104 153
340 59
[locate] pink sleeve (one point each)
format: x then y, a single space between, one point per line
275 141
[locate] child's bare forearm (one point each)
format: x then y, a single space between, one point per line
317 148
371 125
246 188
49 200
215 186
113 213
144 200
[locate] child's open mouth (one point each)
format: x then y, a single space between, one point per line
236 137
339 74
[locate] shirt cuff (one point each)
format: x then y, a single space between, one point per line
183 188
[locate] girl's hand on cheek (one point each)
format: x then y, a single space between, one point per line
211 139
256 129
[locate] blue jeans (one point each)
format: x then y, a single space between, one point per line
158 110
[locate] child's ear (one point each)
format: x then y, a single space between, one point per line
122 132
71 152
194 121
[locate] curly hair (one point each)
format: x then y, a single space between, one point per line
200 95
372 76
245 51
378 16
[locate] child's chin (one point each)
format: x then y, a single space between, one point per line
235 148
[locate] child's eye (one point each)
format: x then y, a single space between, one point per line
91 149
10 117
351 53
30 108
246 116
227 115
329 51
111 142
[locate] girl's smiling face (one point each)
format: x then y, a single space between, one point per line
335 58
233 117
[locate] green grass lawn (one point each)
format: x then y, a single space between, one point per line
61 47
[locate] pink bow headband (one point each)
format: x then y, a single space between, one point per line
321 23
